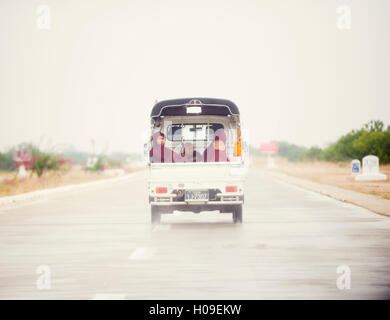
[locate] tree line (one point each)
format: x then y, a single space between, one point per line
372 138
48 160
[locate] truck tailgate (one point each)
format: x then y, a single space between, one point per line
196 172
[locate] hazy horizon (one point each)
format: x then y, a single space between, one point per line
97 71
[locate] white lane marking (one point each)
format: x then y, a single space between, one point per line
109 296
142 254
162 227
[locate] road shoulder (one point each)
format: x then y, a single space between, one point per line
71 187
371 202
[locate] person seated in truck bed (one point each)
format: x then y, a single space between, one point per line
159 153
216 151
188 154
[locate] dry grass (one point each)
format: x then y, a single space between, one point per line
335 174
10 185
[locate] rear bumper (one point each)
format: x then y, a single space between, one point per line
222 199
183 203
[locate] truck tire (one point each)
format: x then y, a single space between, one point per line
237 214
155 215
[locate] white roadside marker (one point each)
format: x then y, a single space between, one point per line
142 254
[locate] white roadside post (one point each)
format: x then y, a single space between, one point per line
22 158
91 161
22 173
371 170
355 167
270 149
270 161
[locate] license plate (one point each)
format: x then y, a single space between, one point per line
197 195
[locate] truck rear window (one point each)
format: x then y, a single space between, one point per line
192 131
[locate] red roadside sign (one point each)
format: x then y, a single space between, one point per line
22 157
272 147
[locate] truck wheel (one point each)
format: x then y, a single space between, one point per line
237 214
155 215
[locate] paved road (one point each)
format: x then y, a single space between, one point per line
98 243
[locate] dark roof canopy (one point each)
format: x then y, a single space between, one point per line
210 106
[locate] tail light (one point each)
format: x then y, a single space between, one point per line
161 190
237 144
231 189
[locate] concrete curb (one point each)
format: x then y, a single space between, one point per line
373 203
71 187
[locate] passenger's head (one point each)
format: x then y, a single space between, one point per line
158 138
220 140
188 150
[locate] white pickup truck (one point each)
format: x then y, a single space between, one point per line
197 157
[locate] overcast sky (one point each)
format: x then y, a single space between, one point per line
99 68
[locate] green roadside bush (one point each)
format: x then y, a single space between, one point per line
99 165
44 161
6 161
313 153
291 151
370 139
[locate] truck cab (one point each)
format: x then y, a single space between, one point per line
197 158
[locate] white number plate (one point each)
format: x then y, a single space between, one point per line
197 195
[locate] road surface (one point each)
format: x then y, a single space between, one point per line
97 243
